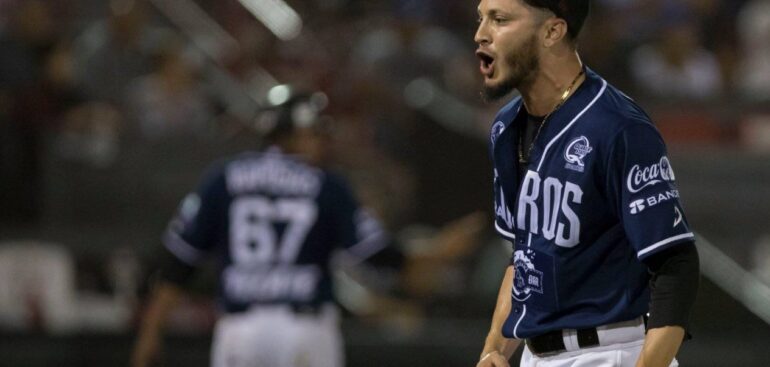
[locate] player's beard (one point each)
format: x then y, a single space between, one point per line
522 63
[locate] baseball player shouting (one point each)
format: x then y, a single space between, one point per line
585 192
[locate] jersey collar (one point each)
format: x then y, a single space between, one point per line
566 116
505 138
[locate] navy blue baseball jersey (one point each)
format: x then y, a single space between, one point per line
598 196
273 222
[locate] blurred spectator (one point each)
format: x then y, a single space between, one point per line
406 50
676 65
754 30
37 287
25 42
25 45
113 51
171 100
89 135
87 130
633 21
718 31
39 290
603 48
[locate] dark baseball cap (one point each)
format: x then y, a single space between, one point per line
574 12
288 109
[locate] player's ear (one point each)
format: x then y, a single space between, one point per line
555 29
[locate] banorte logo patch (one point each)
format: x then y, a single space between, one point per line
576 152
637 206
641 177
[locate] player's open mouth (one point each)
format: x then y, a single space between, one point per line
487 63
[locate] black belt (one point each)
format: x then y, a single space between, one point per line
553 342
308 309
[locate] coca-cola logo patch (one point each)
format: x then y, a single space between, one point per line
640 177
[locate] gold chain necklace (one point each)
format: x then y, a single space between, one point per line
564 97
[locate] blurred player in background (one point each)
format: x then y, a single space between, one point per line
585 192
274 220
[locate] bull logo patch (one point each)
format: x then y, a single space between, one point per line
576 152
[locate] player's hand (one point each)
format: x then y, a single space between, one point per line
145 353
459 238
493 359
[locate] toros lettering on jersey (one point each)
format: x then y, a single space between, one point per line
558 221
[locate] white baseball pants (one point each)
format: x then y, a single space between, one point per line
275 336
619 346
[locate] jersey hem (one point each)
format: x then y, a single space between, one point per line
507 235
180 248
657 246
515 328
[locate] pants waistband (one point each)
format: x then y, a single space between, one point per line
299 309
569 340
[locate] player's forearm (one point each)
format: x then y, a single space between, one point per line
660 346
500 344
495 340
164 298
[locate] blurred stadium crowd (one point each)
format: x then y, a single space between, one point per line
110 109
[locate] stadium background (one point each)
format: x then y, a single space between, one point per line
109 111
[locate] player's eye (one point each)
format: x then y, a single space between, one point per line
499 20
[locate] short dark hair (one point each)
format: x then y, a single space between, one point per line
574 12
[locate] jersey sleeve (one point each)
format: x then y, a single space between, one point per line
192 233
356 230
503 219
642 189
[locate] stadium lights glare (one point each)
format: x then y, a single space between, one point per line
204 31
277 16
279 94
736 281
444 108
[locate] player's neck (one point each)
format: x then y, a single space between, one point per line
285 146
554 77
298 148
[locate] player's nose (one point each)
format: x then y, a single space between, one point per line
482 35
